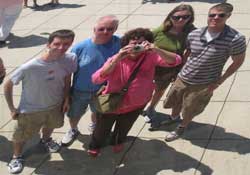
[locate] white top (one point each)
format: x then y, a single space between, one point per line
43 82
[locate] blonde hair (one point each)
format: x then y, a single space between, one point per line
226 7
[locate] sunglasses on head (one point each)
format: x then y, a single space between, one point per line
221 15
109 29
177 18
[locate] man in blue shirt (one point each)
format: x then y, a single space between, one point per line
92 53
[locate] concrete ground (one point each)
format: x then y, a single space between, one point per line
217 141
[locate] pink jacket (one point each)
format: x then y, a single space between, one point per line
141 88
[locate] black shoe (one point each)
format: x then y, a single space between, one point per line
154 125
2 44
35 6
52 4
169 120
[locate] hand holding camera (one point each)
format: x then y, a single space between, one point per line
144 46
138 48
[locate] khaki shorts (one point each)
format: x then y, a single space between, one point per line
29 124
191 99
165 75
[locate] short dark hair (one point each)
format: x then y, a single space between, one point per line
64 33
136 34
226 7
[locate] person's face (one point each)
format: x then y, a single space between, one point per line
180 18
104 30
217 19
133 42
59 46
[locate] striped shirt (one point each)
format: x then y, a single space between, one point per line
207 59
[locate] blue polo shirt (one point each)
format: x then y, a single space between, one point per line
90 58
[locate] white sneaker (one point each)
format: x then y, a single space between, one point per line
147 119
16 165
70 137
175 134
91 127
149 114
50 145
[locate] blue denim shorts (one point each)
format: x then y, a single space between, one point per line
80 101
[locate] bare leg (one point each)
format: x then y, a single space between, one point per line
55 1
93 117
46 133
25 3
156 97
17 148
186 121
74 121
35 2
176 112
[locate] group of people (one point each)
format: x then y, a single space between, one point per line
176 52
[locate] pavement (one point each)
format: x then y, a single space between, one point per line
216 142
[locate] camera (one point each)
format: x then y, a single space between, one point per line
138 48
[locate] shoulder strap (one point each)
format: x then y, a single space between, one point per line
133 75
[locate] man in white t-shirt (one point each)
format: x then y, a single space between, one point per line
45 95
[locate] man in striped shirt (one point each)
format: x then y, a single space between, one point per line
210 47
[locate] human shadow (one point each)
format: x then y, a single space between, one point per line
33 153
48 6
35 156
26 41
74 160
178 1
217 137
5 149
155 156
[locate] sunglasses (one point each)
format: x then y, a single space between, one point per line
213 15
177 18
102 29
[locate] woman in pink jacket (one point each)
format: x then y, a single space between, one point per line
116 72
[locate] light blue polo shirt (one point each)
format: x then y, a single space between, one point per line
91 57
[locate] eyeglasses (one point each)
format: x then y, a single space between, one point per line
213 15
108 29
177 18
